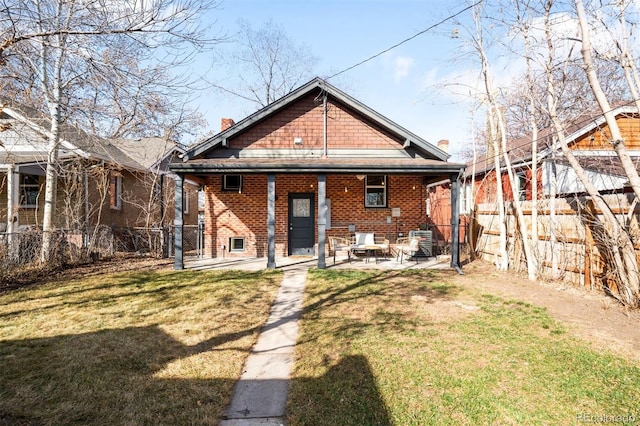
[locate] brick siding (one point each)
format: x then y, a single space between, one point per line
244 214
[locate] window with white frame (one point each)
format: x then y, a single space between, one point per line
29 190
115 191
236 244
186 201
466 198
375 191
521 182
232 183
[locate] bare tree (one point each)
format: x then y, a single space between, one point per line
617 141
625 257
51 48
498 139
265 64
619 241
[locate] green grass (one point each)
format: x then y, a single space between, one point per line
412 348
136 348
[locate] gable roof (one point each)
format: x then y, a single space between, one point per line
149 152
24 139
316 84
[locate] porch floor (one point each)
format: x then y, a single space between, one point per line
259 263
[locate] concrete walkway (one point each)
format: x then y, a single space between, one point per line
260 396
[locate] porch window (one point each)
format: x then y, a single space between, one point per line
115 191
29 190
232 183
236 244
186 202
375 191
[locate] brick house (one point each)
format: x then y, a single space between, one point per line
314 164
101 182
588 138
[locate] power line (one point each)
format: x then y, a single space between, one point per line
406 40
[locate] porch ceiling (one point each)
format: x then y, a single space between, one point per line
419 166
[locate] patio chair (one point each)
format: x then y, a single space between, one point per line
337 244
408 246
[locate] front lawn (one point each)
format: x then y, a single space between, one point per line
133 348
413 348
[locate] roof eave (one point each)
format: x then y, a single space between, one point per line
443 168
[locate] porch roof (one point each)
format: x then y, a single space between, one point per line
415 166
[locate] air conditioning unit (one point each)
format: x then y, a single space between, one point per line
425 244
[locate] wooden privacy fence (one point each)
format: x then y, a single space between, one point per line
569 245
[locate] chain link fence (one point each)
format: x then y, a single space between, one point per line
23 248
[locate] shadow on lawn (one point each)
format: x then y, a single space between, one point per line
108 377
347 395
126 286
115 377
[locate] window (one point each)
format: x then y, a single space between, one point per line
375 191
186 204
466 198
232 183
521 181
29 190
236 244
115 191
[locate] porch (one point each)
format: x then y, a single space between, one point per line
342 262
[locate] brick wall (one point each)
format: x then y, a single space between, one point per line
244 214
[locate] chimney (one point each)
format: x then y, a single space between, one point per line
225 123
443 144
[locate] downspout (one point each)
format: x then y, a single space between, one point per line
324 125
455 222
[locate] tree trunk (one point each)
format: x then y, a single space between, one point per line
621 246
617 141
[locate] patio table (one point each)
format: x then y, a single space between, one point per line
369 249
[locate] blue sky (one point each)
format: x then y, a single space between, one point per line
408 84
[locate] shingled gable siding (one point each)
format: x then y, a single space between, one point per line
304 119
599 139
233 214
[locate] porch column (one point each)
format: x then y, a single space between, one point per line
178 220
455 222
322 219
271 221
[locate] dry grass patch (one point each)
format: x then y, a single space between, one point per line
413 348
132 348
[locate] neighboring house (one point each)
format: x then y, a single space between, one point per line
314 164
155 155
587 137
101 182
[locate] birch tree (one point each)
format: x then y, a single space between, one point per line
498 138
493 142
51 47
619 241
617 141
